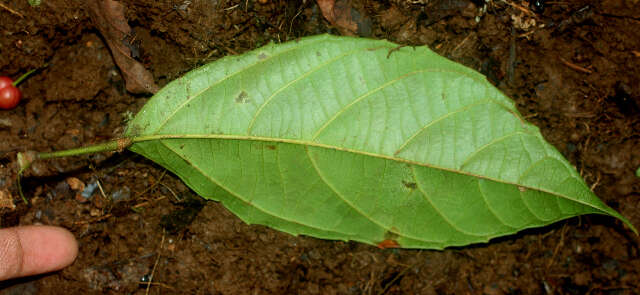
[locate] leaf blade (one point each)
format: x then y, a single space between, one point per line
348 142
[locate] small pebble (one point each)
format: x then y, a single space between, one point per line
75 184
90 189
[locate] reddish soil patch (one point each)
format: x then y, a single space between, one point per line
573 70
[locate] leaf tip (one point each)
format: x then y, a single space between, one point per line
627 222
633 228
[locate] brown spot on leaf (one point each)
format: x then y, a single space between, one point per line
271 147
135 130
522 189
262 56
243 97
409 184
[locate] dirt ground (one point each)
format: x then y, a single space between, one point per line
572 67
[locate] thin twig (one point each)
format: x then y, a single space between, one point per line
232 7
100 188
152 186
527 34
560 244
108 215
227 48
155 264
575 66
294 18
460 44
171 191
523 9
397 277
368 287
145 203
595 184
11 10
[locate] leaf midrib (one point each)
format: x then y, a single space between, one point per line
343 149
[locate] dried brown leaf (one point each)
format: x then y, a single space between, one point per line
345 18
6 200
108 17
75 184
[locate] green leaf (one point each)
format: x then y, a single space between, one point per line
357 139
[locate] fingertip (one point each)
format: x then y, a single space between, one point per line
29 250
46 248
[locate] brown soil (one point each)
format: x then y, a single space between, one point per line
576 77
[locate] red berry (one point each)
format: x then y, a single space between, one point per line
9 97
5 81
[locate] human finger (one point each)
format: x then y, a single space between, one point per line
29 250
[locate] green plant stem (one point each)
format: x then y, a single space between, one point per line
114 145
26 75
24 199
25 159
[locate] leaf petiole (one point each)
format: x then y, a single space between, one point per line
115 145
25 159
